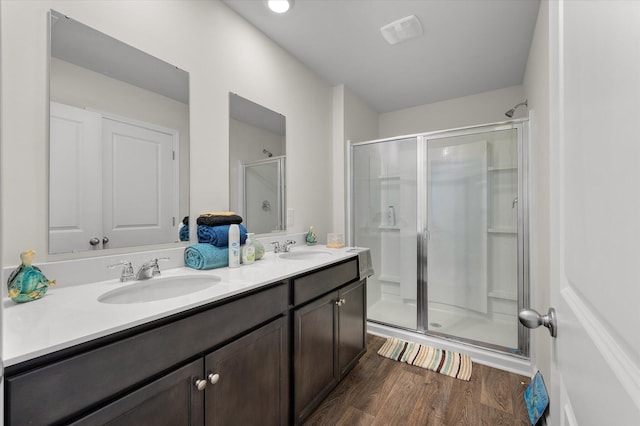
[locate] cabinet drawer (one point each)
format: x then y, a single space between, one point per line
318 283
64 388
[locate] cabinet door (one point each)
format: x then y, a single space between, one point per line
352 327
171 400
315 353
251 383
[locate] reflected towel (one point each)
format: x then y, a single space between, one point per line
184 233
219 220
206 256
219 235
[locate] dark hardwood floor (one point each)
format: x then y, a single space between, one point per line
379 391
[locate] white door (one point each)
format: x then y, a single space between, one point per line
595 182
138 184
75 170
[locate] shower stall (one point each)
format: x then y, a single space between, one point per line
445 217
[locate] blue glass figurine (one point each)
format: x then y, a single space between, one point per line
311 237
27 283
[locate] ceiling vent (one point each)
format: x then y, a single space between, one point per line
402 29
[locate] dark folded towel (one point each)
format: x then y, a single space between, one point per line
184 233
215 220
219 235
206 256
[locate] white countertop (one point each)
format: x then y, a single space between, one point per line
67 316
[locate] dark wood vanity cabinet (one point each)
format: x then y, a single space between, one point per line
265 357
243 383
328 333
152 376
251 378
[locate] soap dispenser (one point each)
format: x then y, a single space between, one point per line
248 251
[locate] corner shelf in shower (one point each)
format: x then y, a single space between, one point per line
501 168
389 228
502 231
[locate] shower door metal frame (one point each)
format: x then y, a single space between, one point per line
421 229
521 125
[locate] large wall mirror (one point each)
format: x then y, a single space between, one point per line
118 143
257 145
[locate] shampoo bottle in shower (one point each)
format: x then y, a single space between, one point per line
391 216
234 246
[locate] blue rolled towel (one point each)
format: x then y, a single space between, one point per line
184 233
219 235
206 256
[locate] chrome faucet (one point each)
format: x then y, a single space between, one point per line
149 269
283 247
127 270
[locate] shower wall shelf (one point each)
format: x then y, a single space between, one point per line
501 168
388 228
502 231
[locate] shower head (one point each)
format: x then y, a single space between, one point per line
513 110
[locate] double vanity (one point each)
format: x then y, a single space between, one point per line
260 344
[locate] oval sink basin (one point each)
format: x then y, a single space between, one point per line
158 289
305 255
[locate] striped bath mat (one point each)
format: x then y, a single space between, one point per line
449 363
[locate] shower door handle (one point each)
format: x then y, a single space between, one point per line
532 319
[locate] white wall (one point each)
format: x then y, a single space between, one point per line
536 86
483 108
353 120
222 53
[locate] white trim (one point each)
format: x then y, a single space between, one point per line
480 355
627 373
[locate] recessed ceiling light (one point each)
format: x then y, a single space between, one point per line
280 6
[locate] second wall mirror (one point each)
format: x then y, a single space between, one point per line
257 154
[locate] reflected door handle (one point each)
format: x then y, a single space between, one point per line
532 319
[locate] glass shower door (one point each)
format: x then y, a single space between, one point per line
384 179
472 236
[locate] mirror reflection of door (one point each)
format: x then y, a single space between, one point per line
257 145
113 181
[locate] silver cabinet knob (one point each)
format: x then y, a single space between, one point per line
201 384
213 378
532 319
343 302
105 240
94 241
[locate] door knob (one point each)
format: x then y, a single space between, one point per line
532 319
94 241
105 240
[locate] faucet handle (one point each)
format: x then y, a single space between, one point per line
156 268
288 244
127 270
276 246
